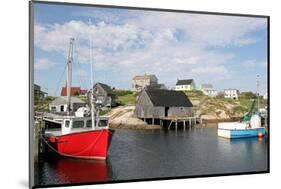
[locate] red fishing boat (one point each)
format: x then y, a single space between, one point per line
80 134
73 136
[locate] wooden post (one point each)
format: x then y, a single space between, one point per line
184 125
176 125
170 125
36 141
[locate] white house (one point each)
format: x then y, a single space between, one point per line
208 90
185 85
60 104
231 93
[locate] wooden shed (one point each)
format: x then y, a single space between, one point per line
159 104
104 95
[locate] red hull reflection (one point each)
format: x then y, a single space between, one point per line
78 171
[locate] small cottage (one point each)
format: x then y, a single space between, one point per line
231 93
104 95
60 104
157 104
185 85
38 93
208 90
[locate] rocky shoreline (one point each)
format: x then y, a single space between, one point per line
122 117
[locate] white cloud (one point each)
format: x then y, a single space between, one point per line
210 70
213 30
151 42
43 64
245 41
253 64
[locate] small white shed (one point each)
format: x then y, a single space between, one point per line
60 104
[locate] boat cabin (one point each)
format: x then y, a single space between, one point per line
68 125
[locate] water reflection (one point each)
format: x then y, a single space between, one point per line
70 170
142 154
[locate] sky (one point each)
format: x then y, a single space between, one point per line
226 51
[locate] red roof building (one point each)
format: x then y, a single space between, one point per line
73 91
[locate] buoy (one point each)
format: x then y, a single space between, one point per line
259 134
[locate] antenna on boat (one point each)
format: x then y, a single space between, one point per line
69 74
92 82
258 91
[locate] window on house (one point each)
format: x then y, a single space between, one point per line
62 108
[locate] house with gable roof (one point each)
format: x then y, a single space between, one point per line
185 85
159 103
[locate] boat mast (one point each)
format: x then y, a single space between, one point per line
92 83
258 91
69 74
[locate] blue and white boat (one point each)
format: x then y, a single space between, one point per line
250 126
241 129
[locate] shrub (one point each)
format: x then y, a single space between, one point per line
239 109
248 95
220 96
105 111
122 92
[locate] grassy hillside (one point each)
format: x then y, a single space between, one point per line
125 97
221 107
216 107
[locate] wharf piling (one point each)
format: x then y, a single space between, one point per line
185 121
175 122
39 145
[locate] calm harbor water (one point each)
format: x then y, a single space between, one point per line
142 154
